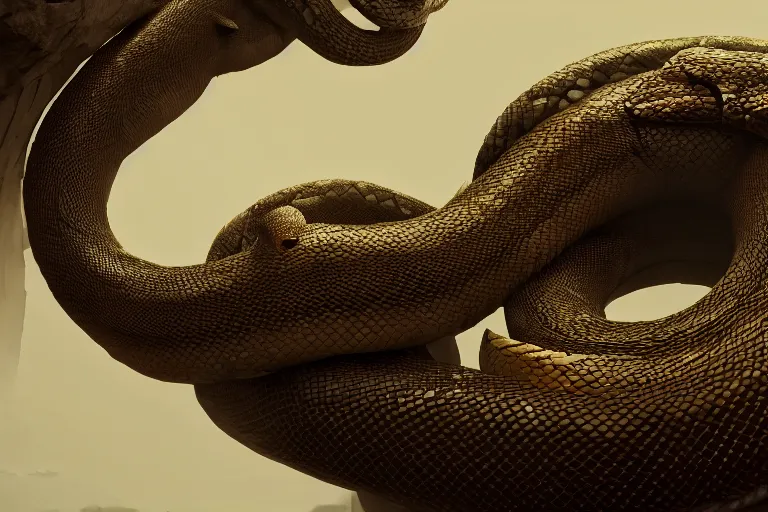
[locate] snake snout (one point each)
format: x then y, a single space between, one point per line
738 78
707 85
282 227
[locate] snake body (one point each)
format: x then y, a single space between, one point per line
570 205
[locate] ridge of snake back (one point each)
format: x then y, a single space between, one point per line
369 404
573 82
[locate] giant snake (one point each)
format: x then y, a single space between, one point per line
640 165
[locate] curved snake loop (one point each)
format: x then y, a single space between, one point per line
636 166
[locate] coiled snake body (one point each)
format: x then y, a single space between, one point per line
641 165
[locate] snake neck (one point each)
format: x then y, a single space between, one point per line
137 84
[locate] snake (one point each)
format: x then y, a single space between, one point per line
303 331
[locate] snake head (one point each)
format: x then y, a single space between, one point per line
282 227
706 86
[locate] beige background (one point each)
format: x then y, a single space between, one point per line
114 437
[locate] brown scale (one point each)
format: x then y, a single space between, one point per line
586 415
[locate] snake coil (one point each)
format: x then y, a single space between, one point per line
639 165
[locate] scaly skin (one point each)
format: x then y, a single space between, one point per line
573 412
670 425
321 27
125 108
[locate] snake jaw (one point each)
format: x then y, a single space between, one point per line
691 88
749 112
742 93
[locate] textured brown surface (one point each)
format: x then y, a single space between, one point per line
677 416
586 414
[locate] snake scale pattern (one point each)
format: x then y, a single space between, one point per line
303 332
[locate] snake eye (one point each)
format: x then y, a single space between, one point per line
289 243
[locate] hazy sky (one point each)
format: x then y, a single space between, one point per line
415 125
